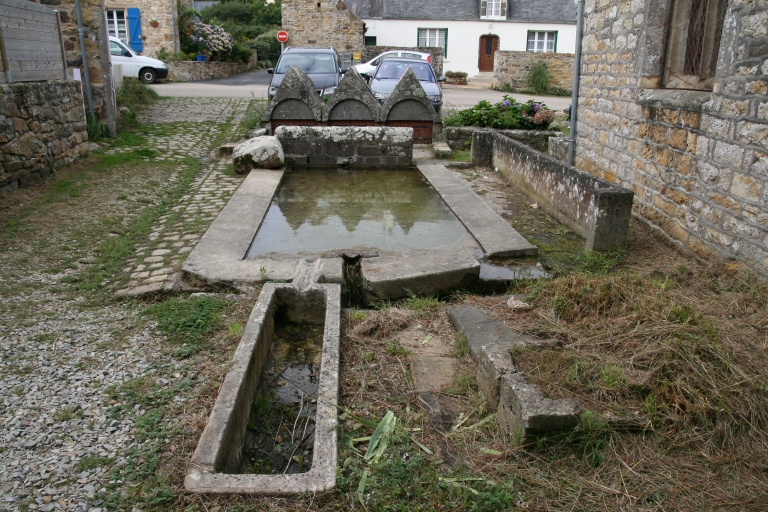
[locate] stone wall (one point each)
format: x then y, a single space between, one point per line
42 127
334 146
322 23
696 160
194 70
98 56
514 68
592 207
369 52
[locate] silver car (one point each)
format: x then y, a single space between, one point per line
383 81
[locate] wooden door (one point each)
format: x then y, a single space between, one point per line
488 46
422 130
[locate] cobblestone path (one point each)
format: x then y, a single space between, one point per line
157 264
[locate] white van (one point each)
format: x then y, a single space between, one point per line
145 69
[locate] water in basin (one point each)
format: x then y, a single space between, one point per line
323 212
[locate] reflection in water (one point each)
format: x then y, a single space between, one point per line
332 210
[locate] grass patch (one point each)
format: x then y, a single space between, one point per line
461 155
186 322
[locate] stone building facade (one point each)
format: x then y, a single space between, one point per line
322 23
697 160
514 68
157 23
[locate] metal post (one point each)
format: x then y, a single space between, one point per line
86 74
576 79
4 55
61 42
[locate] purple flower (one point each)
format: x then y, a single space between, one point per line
506 103
535 107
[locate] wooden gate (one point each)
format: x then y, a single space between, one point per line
488 46
31 47
422 130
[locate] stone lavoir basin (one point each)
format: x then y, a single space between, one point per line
419 228
412 229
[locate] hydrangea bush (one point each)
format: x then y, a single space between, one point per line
508 114
212 39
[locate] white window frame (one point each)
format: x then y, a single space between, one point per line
493 9
544 41
434 38
113 24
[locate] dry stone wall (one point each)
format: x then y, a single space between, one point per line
696 161
194 70
42 127
322 23
514 68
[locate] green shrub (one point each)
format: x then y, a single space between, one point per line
132 95
507 114
455 74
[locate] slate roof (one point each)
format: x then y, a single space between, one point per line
537 11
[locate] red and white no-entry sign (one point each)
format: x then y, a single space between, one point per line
282 36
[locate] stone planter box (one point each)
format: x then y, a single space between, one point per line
189 71
456 81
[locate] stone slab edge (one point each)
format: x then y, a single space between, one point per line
322 475
522 409
219 255
497 238
422 273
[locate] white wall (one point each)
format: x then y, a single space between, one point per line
464 37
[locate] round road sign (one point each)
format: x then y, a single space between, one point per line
282 36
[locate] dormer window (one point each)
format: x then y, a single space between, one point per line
493 9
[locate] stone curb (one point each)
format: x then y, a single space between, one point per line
522 408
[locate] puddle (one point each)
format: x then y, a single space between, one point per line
323 212
280 434
510 271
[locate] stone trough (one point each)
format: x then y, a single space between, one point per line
217 459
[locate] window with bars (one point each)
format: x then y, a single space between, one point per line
693 44
542 41
435 37
493 8
116 24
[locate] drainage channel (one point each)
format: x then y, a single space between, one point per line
276 412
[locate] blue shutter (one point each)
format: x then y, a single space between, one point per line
134 29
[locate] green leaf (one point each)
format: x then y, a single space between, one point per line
426 340
427 450
361 488
382 433
363 422
489 451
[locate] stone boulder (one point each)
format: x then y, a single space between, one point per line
263 152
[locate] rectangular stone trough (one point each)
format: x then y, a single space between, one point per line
217 459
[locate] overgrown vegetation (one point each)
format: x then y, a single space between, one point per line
507 114
133 95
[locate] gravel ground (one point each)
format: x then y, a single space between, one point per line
69 427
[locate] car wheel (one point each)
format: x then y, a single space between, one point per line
148 75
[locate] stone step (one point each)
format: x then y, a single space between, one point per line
442 150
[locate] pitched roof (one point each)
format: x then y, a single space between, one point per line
538 11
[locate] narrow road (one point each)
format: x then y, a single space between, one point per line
254 84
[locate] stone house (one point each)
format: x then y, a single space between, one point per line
469 31
673 103
146 25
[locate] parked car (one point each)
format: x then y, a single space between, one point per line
321 64
389 71
370 66
134 65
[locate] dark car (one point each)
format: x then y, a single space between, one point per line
389 72
321 64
